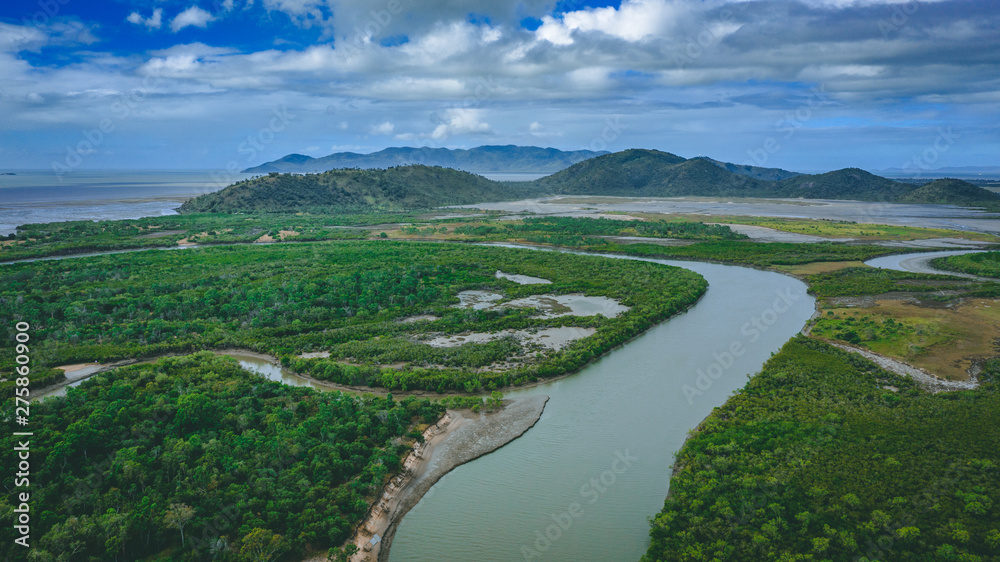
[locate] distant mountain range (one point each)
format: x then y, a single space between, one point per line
482 159
629 173
961 172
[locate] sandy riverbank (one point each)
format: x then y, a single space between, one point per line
461 436
927 380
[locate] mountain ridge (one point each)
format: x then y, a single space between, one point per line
482 159
628 173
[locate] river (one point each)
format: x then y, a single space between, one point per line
920 263
581 484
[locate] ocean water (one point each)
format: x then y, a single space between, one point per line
38 196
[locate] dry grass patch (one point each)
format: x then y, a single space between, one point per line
818 267
945 341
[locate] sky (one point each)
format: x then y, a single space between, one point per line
806 85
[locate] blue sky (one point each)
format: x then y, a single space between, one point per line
799 84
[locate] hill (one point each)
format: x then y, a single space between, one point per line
651 173
399 188
481 159
629 173
949 191
849 183
756 172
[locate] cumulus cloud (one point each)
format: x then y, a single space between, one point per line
153 22
632 21
384 128
460 121
191 17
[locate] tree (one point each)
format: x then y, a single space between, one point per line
177 517
261 545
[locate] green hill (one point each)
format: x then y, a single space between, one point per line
948 191
849 183
629 173
651 173
400 188
648 173
756 172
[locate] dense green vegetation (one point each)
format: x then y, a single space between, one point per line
858 328
752 253
197 459
856 281
824 456
345 298
355 190
544 228
986 264
75 237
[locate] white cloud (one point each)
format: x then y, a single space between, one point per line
191 17
153 22
535 127
632 21
460 121
384 128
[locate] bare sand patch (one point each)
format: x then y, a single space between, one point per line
314 355
549 338
553 306
282 235
477 300
522 279
187 241
418 318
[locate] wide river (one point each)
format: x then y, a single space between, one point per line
599 459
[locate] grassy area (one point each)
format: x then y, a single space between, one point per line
752 253
943 341
864 280
850 229
819 267
817 458
985 264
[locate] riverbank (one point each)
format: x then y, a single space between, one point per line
459 437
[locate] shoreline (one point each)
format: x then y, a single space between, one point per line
465 443
459 437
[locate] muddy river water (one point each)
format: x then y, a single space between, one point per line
581 483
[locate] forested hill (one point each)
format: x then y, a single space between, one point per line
480 159
950 191
652 173
630 173
399 188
